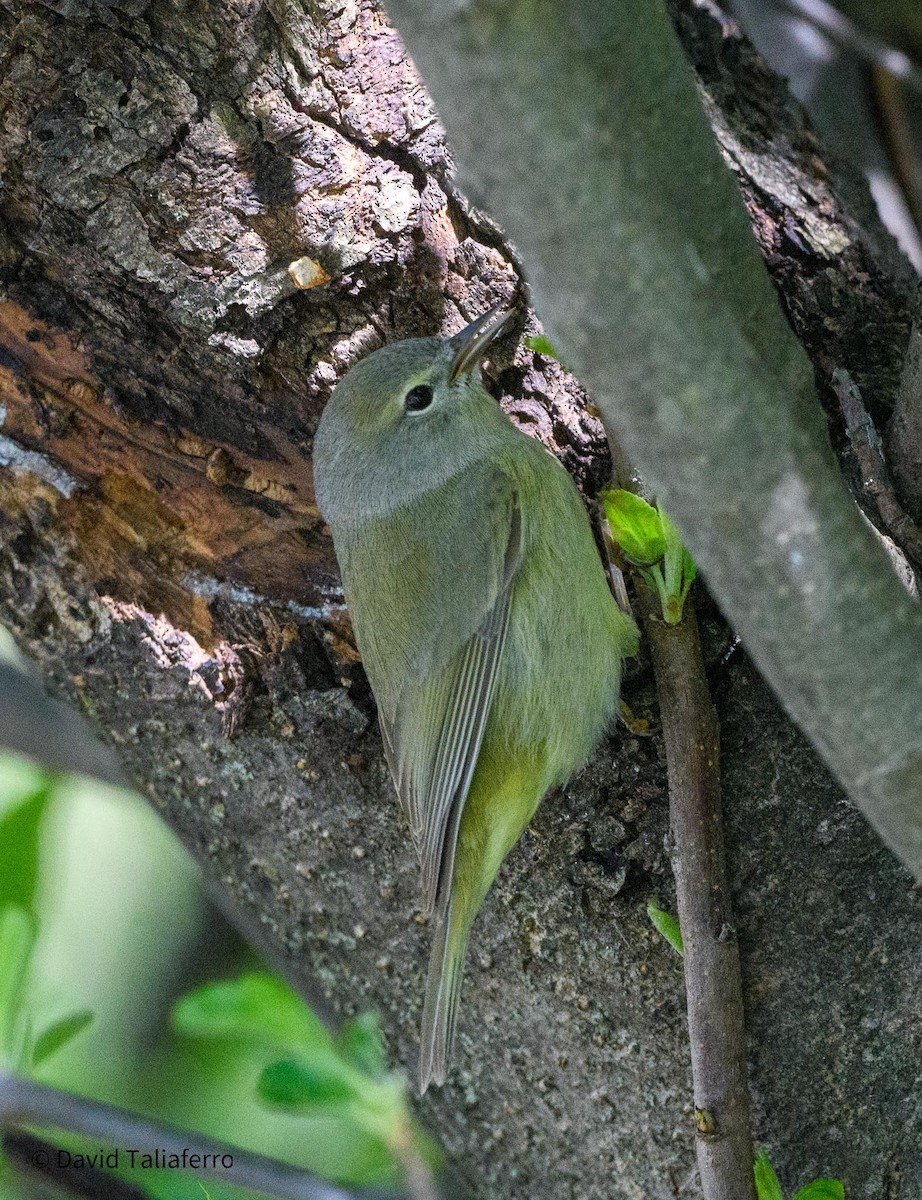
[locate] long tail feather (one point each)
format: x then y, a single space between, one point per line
443 987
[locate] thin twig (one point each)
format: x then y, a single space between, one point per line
26 1103
875 478
713 983
711 960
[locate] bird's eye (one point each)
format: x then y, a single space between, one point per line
418 398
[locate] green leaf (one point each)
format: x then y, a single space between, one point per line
259 1009
17 940
541 345
362 1044
689 571
321 1082
767 1185
822 1189
680 571
58 1034
667 925
635 526
19 847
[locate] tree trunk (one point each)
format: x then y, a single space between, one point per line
162 558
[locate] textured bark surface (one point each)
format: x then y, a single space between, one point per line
162 558
904 433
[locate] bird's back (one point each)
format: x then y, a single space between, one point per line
567 638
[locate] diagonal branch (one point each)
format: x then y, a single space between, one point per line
36 1158
33 724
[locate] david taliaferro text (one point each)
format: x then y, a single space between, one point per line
183 1160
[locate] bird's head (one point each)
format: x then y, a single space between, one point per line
404 419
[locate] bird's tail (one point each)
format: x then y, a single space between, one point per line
443 987
493 818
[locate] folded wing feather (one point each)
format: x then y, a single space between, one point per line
434 738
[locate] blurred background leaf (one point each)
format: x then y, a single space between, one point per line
137 992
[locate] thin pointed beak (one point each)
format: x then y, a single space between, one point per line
471 343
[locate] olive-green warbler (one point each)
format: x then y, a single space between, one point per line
482 614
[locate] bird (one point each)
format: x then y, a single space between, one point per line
481 610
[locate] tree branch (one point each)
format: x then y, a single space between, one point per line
875 478
599 161
26 1103
33 724
711 957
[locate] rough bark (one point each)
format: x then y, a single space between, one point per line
162 559
904 433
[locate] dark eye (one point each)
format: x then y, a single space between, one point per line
418 398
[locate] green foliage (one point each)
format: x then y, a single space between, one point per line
258 1009
636 526
58 1034
679 570
311 1084
768 1187
206 1075
19 846
541 345
361 1043
21 1049
305 1070
17 939
822 1189
652 543
325 1084
666 924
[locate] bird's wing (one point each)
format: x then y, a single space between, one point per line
433 737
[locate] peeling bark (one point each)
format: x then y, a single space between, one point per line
162 558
